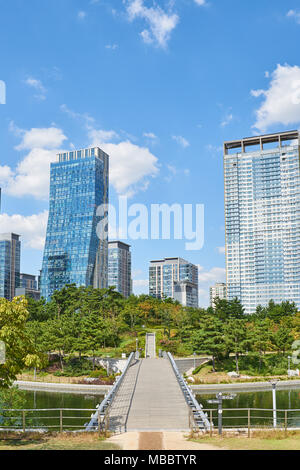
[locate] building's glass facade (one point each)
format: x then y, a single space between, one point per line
74 251
262 210
28 287
10 251
175 278
119 267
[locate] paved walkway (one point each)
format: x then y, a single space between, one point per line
157 441
151 345
121 404
158 403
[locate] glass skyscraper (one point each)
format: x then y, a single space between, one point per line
262 211
119 267
175 278
76 243
10 250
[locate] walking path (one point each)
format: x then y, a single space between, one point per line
158 403
157 441
151 345
121 404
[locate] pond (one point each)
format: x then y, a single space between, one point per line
45 401
285 399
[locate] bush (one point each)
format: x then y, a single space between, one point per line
98 374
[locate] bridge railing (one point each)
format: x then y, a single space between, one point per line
102 413
198 418
72 419
49 419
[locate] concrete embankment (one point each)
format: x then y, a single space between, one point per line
198 389
244 387
63 388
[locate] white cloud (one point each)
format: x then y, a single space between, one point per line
200 2
38 86
86 118
49 138
294 14
81 15
221 250
227 120
31 175
140 283
214 275
208 279
31 228
130 166
140 286
112 47
160 23
150 135
281 104
100 136
181 141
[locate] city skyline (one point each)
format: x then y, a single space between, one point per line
154 98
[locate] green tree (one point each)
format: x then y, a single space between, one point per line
236 338
283 339
260 338
20 350
209 339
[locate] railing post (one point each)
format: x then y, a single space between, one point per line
106 422
61 420
285 421
249 423
99 422
24 421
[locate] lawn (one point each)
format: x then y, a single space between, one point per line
265 440
65 441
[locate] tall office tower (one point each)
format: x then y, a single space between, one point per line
218 291
28 286
262 210
119 267
175 278
76 243
10 250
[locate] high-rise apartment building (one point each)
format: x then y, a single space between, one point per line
76 242
218 291
10 250
119 267
262 210
175 278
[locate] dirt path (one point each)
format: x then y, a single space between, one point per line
157 441
151 441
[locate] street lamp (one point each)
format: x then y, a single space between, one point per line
289 367
274 383
194 360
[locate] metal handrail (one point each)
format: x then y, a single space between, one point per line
200 417
106 403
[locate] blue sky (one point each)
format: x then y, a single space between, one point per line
160 86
